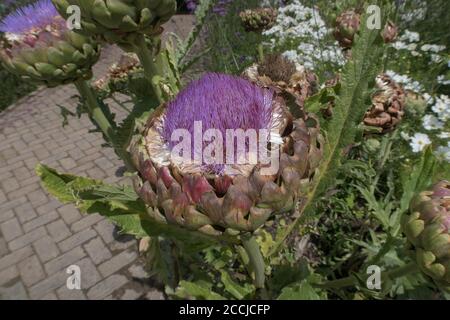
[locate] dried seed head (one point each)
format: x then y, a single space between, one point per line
277 68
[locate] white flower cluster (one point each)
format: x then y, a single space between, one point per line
417 11
442 107
409 41
302 28
441 80
437 121
407 82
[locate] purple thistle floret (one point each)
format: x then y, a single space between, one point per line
35 16
220 102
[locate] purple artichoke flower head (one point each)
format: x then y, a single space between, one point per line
37 21
227 105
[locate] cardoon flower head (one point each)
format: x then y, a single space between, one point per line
39 46
212 196
31 18
219 102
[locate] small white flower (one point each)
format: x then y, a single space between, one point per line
425 47
435 58
429 99
444 152
430 122
444 135
410 36
441 79
442 107
419 141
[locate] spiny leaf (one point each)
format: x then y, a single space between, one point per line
236 290
200 16
120 205
357 76
198 290
299 291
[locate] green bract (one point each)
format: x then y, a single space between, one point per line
427 227
119 21
52 61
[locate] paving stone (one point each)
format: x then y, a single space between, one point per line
64 260
106 287
122 242
68 163
86 222
31 132
50 296
97 250
117 262
3 247
9 185
8 274
31 270
77 239
3 198
15 257
40 221
51 205
25 212
27 238
58 230
6 215
89 274
155 295
46 286
37 198
46 248
106 230
130 294
67 294
11 229
15 292
137 271
69 213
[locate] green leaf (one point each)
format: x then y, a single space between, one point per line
61 185
358 77
299 291
237 291
198 290
126 129
184 48
417 178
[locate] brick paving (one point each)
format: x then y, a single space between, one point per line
40 237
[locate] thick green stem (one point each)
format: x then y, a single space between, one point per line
261 52
100 119
147 59
352 281
256 259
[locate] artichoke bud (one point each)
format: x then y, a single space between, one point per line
346 26
43 49
119 20
427 228
258 20
285 77
387 105
218 195
390 32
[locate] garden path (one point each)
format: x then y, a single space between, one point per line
39 236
